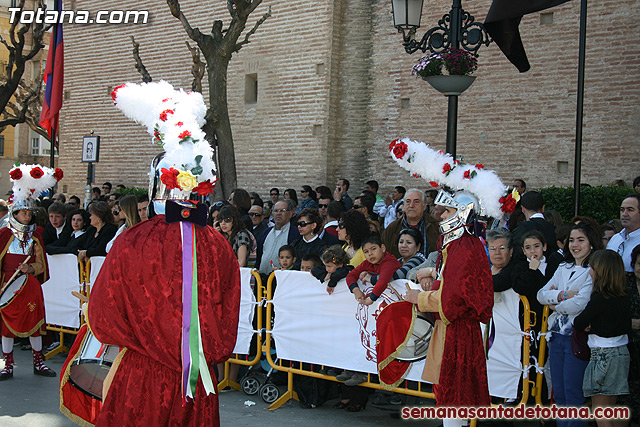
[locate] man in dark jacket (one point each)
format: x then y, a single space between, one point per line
414 217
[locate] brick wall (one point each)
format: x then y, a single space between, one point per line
331 78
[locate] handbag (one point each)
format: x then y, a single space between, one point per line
579 345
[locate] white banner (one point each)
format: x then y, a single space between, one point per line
504 366
332 330
62 308
247 311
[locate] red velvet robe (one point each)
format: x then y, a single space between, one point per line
461 298
136 302
24 316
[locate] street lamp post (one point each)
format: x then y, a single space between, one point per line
457 29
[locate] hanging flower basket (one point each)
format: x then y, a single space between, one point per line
450 85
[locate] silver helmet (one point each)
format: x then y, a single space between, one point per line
466 206
22 231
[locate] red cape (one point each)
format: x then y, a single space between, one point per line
136 302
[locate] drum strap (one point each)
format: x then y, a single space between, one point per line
194 364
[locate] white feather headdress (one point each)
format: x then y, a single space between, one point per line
174 118
439 168
31 181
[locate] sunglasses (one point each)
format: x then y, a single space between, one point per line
303 191
303 223
227 220
275 194
254 214
357 207
341 226
322 205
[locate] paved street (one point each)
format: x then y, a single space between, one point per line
28 400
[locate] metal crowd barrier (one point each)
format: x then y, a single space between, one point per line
265 294
62 330
238 359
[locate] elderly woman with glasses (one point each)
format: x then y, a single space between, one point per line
310 226
309 199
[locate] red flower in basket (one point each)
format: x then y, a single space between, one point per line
204 188
15 174
393 144
184 134
446 168
58 174
400 149
479 166
169 178
467 174
36 172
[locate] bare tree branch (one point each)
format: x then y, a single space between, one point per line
174 7
146 77
197 69
252 31
20 102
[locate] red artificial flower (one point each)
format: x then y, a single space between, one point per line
184 134
433 183
456 162
169 178
166 99
415 175
33 190
508 204
36 172
479 166
157 135
440 152
179 124
204 188
393 144
467 174
15 174
446 168
58 174
114 92
164 115
400 149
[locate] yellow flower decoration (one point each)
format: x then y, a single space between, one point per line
187 181
515 195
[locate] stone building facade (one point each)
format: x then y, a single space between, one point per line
324 86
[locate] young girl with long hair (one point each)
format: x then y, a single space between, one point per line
567 294
607 320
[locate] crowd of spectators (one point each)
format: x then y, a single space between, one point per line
577 267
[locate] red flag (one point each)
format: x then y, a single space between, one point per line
54 78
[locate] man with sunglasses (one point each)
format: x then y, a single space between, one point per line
257 219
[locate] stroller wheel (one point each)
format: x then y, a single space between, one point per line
250 385
269 393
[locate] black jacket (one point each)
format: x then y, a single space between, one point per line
547 229
97 245
50 235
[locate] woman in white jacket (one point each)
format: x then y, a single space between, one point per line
567 294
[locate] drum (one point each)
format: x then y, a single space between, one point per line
418 344
12 289
89 370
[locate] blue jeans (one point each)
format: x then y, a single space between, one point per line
567 372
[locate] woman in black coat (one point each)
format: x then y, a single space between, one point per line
102 230
70 244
